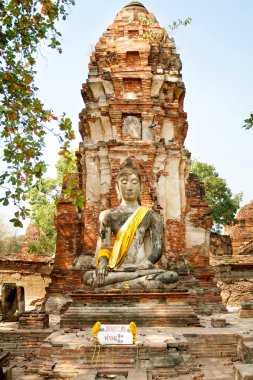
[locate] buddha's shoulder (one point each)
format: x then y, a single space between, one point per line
109 213
154 215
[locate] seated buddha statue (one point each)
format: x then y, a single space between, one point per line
137 247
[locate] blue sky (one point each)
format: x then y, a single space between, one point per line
216 52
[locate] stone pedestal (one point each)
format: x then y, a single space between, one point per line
145 309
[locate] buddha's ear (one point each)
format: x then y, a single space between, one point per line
141 189
139 196
118 192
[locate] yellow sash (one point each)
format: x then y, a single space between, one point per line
124 239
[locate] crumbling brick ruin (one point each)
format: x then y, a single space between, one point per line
233 258
241 233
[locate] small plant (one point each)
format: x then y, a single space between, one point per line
163 35
144 20
191 267
151 36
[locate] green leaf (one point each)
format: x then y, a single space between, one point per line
248 122
16 222
6 202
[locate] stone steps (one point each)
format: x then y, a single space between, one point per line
210 345
245 348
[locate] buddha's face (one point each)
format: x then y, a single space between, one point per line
129 187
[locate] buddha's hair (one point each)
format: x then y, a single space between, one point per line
128 168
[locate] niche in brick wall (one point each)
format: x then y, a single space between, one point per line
132 88
133 59
133 33
131 126
167 92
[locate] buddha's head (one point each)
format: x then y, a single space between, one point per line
129 182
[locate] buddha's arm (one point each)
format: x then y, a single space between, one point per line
103 243
156 228
102 270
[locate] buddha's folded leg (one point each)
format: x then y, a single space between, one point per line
167 277
90 279
147 283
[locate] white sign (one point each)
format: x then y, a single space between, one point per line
115 334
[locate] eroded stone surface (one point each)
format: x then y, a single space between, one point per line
220 245
235 291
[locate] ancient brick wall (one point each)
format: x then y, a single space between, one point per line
241 233
198 223
21 344
235 279
68 225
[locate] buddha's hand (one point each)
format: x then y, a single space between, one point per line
102 270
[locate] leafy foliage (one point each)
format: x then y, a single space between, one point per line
248 122
65 165
42 200
223 203
177 23
24 26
